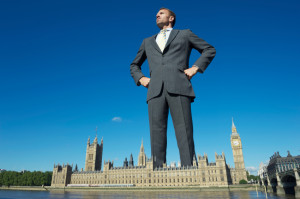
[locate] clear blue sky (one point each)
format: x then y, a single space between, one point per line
64 69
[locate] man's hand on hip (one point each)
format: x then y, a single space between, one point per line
190 72
145 81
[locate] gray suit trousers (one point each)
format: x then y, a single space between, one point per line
180 109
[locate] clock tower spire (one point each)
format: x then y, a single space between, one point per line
238 157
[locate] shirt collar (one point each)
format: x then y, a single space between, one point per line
169 29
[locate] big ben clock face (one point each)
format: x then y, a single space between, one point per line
236 143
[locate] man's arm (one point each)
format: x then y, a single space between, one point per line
207 51
135 67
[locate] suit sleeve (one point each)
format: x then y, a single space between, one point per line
207 51
135 67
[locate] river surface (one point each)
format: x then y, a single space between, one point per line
8 194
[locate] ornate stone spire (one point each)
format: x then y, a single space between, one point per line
142 147
233 128
131 164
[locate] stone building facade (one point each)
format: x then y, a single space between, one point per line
201 173
93 158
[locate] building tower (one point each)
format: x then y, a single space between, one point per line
142 156
94 151
238 157
131 164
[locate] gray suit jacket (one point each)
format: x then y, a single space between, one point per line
166 68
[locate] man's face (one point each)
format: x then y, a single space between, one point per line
163 18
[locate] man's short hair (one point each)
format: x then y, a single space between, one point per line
171 14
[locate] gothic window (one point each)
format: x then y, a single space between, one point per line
90 156
203 179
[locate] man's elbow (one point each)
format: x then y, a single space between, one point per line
212 51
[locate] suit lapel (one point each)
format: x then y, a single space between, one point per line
172 36
153 42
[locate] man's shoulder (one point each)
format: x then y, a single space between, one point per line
185 31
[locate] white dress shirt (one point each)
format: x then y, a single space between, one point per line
159 35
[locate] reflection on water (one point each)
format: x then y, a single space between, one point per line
136 195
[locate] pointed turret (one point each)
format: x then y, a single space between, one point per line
131 161
142 156
142 147
233 129
89 141
194 161
125 163
96 139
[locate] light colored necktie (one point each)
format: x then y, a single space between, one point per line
163 39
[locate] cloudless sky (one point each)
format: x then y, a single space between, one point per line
64 69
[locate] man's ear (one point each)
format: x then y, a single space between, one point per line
171 19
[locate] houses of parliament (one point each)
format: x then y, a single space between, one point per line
202 173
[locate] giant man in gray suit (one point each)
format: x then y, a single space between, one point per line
169 86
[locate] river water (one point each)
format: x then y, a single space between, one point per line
4 194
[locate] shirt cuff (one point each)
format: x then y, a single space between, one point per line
198 69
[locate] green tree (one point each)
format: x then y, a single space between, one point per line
243 181
27 178
252 177
1 178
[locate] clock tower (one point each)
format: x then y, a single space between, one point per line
238 157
